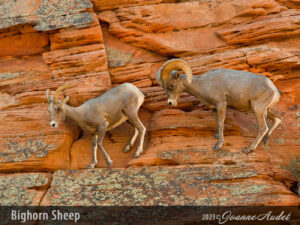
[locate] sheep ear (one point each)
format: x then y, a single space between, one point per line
175 74
66 100
47 96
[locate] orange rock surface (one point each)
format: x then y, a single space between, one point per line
97 44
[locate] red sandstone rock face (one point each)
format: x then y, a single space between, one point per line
95 45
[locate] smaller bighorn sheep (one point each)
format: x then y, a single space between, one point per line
219 88
98 115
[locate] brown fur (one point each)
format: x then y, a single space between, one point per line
222 88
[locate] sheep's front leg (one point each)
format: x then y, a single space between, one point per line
101 134
94 149
221 113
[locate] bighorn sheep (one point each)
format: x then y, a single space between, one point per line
219 88
98 115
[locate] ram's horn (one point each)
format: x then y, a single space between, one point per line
174 64
59 90
157 76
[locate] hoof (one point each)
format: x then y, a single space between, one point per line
91 166
248 150
265 140
109 163
216 135
127 148
218 147
137 154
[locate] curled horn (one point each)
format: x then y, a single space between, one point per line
59 90
157 76
174 64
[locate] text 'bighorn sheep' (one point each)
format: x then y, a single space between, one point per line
98 115
219 88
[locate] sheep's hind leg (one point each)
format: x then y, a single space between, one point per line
276 121
134 120
262 129
94 148
132 140
101 134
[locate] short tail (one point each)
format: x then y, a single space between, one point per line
280 92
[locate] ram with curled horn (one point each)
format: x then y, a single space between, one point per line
98 115
222 88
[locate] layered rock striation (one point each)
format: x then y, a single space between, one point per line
97 44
